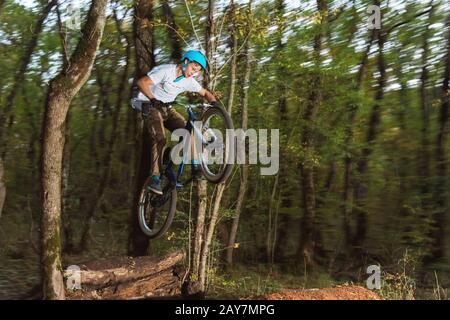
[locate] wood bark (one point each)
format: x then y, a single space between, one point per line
202 185
438 234
306 248
62 89
285 187
244 170
172 29
352 109
145 61
361 185
425 156
66 217
129 278
2 186
233 52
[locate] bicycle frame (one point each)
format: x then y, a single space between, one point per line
175 178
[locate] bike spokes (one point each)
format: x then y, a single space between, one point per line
217 150
156 211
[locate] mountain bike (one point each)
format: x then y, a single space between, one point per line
156 212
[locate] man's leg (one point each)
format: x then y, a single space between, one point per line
157 138
176 121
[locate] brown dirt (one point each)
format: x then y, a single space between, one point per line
337 293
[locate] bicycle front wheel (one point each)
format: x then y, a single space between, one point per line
216 154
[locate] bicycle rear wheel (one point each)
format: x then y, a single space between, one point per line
156 212
216 149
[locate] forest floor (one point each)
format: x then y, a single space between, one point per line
337 293
20 270
259 282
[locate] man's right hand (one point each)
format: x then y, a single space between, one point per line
145 109
156 103
152 103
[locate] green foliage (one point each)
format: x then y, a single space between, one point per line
283 69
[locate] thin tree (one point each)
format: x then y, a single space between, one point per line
145 61
424 155
202 185
352 109
2 187
233 51
438 234
61 91
172 30
283 183
306 247
244 123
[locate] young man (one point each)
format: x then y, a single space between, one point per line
158 90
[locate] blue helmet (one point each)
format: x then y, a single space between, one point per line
196 56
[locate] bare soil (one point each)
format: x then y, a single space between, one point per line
337 293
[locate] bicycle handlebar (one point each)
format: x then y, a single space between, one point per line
194 106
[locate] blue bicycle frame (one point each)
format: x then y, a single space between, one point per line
169 170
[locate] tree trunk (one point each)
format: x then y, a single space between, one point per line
270 237
33 158
210 43
438 234
66 218
128 150
199 226
286 191
143 37
145 59
202 185
424 155
214 215
403 159
233 52
2 186
104 108
172 30
372 132
244 123
306 247
62 89
352 109
93 143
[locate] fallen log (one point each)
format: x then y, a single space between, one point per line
129 278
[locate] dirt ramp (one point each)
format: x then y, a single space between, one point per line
336 293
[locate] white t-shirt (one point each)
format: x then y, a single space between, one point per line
164 89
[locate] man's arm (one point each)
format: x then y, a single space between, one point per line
208 95
144 84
